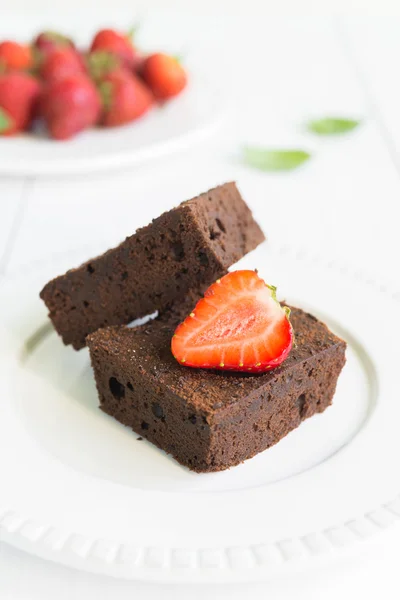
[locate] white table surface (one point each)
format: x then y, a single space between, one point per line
345 202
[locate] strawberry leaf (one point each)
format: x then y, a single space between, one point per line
38 58
58 38
5 121
332 126
274 160
106 90
100 63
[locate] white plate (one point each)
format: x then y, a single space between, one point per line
79 489
184 121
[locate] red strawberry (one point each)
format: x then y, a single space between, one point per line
15 57
70 105
118 44
164 75
238 326
60 63
47 41
125 98
18 95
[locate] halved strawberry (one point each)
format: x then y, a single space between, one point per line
238 326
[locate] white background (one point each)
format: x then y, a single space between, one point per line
280 71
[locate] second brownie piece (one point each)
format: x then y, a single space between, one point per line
181 250
210 420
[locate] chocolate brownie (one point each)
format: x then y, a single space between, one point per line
190 245
212 420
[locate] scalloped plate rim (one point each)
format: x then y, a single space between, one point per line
246 562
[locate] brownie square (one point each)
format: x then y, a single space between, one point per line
183 249
211 420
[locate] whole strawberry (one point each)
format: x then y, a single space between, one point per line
15 56
125 98
47 41
119 44
164 75
69 106
19 93
60 63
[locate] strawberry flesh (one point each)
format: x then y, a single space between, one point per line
238 326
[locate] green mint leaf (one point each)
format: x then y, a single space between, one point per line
5 120
274 160
332 126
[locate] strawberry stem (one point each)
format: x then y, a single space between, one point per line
131 33
273 289
38 58
178 58
106 93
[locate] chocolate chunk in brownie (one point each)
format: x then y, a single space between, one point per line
183 249
212 420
